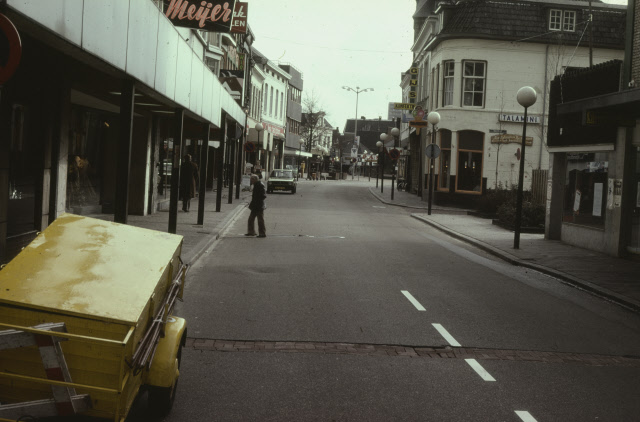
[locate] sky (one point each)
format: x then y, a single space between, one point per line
336 43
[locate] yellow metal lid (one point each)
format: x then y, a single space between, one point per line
89 267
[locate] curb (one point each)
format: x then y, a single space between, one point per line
563 277
434 208
209 240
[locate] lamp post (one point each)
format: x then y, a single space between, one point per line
383 138
259 128
434 119
526 97
394 134
301 142
355 133
379 145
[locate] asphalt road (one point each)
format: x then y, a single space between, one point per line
341 271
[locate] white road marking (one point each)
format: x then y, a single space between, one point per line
525 416
480 370
452 341
413 300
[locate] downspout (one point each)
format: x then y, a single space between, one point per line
628 48
544 104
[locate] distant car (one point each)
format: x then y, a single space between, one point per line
281 180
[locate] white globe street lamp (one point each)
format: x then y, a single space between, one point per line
526 97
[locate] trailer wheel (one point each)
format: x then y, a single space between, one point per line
161 398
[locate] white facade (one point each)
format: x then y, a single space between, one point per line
495 70
274 110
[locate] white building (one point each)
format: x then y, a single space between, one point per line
273 112
471 58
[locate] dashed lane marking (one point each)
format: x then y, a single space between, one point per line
525 416
479 370
444 333
413 300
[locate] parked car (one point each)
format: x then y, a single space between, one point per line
281 180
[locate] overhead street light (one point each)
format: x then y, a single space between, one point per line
357 90
526 97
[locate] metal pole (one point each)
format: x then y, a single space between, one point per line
377 168
202 188
355 133
516 237
178 128
231 168
433 141
382 173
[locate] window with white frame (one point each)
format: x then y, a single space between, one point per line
266 96
271 103
569 21
447 83
562 20
473 83
277 95
555 20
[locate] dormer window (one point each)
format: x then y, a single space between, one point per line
562 20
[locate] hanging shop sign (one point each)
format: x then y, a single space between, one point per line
518 118
273 129
212 15
239 24
10 58
511 139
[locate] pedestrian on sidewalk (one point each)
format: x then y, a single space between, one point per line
188 181
257 208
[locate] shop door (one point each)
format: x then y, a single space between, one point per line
634 244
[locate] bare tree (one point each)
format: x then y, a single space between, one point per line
313 127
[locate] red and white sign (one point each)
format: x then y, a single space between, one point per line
239 24
273 129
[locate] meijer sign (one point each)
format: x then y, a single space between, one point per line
211 15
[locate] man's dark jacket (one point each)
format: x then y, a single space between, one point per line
257 197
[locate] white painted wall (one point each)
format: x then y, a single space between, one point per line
509 67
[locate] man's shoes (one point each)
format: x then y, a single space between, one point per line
262 235
249 234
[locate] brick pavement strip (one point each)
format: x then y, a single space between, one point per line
424 352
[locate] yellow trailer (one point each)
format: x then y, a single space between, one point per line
85 321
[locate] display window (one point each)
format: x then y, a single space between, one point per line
89 134
23 171
585 189
470 160
444 180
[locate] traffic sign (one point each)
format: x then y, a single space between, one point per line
432 151
249 147
394 154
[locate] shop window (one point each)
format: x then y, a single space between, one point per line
585 190
23 168
473 83
447 84
470 157
89 134
445 160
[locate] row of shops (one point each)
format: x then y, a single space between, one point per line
102 106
